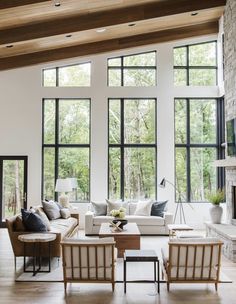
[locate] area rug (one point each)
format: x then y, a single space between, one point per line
135 271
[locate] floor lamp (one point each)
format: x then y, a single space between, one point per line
179 207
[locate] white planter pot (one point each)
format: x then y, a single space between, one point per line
216 212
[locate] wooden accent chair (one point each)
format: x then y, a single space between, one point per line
88 261
192 261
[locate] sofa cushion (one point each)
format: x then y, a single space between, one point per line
143 208
18 224
132 207
44 217
51 209
63 226
158 208
65 213
138 219
33 221
99 208
142 220
116 205
98 220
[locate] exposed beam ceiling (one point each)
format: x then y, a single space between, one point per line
14 3
30 36
109 45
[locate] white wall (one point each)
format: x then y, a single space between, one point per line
21 107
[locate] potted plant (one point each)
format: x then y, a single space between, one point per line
216 211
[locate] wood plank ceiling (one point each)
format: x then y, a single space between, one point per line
40 31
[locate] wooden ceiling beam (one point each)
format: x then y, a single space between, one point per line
15 3
108 45
76 23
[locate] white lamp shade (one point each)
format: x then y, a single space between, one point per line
63 185
73 181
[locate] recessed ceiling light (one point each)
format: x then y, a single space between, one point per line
68 36
194 13
132 24
57 3
9 46
100 30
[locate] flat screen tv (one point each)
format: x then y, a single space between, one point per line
231 143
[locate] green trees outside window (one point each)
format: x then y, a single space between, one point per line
77 75
132 70
132 148
66 144
196 65
197 145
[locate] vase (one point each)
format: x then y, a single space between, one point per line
216 212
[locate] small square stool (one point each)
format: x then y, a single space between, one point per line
143 256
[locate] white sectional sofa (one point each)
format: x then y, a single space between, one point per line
147 224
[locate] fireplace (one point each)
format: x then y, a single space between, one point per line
233 205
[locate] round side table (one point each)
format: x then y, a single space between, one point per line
37 239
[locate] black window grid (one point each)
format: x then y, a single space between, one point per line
218 145
57 145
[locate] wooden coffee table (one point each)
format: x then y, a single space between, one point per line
129 238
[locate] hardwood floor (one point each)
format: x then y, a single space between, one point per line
53 293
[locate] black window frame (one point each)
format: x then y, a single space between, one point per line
123 145
188 67
123 67
219 145
57 68
56 146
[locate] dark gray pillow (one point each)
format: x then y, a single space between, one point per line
158 208
99 208
52 210
33 221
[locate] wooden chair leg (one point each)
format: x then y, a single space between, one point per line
15 262
162 275
168 286
216 286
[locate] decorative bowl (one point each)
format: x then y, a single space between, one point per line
123 222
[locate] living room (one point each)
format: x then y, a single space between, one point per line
168 78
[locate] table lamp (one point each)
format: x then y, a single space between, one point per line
63 186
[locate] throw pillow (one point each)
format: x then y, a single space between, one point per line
18 224
158 208
143 208
65 213
44 218
33 221
99 208
115 205
52 210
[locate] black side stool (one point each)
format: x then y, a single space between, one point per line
143 256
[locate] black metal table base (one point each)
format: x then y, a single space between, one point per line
153 259
37 258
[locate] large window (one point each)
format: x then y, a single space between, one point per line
133 70
77 75
198 137
196 65
66 144
132 148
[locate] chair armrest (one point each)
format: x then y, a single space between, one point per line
89 222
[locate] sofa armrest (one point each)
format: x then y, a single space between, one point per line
168 218
89 222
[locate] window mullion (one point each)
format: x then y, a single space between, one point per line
122 177
56 144
188 198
